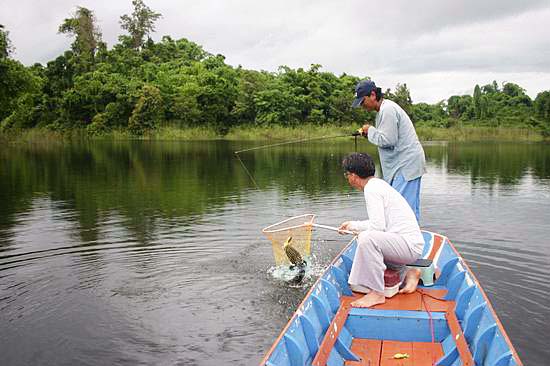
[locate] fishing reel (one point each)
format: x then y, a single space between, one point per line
359 132
355 134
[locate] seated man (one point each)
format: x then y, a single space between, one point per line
390 236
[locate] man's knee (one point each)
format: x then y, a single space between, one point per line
367 241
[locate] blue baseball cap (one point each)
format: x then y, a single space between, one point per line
362 89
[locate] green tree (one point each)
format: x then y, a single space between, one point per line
477 101
514 96
490 88
433 114
460 107
83 27
250 83
148 112
542 105
5 44
483 107
542 111
185 107
277 105
402 96
18 91
140 23
513 90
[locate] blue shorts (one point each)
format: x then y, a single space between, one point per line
410 190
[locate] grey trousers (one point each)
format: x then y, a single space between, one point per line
376 251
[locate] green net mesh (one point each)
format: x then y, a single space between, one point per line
297 227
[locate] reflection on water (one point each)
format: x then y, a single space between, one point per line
151 253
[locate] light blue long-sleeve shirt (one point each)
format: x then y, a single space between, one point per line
398 145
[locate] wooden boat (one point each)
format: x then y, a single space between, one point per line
450 323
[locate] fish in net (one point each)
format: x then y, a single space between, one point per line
293 255
297 261
291 241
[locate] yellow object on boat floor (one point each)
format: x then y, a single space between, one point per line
400 356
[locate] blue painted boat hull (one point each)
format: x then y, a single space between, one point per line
477 338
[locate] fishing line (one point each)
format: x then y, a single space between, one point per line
355 134
247 172
292 142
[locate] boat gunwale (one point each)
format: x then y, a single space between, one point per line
487 301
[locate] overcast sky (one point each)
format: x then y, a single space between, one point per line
439 48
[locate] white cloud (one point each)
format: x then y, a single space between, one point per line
438 48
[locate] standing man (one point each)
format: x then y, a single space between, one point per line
401 154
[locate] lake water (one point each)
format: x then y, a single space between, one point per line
139 253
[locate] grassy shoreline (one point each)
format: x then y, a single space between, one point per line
274 133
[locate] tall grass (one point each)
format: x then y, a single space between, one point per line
286 133
41 136
272 133
477 134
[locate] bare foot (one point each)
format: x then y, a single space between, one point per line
411 281
370 299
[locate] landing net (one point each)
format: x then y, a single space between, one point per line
297 227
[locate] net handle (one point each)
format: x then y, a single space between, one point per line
334 228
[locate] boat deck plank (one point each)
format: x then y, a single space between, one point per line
426 353
381 353
417 301
402 302
390 348
368 349
433 300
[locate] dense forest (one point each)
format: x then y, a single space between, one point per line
139 85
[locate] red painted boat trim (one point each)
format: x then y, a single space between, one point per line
332 333
458 335
438 240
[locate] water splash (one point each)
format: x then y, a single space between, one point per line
297 277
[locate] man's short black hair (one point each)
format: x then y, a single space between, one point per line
379 94
359 163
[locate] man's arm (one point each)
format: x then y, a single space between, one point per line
356 226
385 135
375 211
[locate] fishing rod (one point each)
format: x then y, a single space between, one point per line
355 134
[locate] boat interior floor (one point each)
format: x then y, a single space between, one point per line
375 352
408 329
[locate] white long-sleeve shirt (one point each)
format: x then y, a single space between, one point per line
388 211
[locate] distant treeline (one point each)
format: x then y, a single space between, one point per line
139 85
